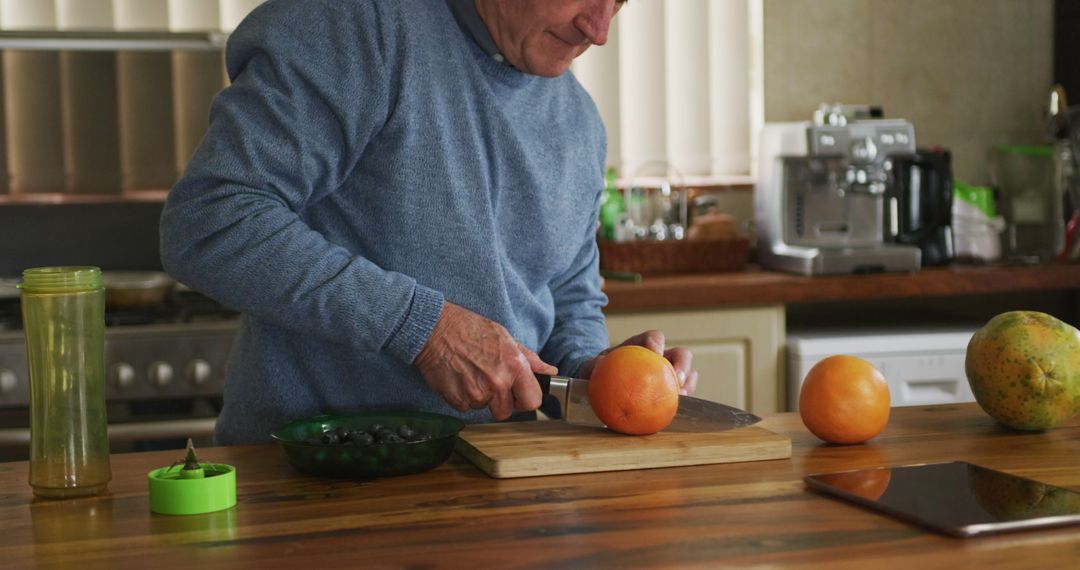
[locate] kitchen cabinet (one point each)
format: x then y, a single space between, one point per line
738 351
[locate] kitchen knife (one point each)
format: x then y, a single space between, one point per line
694 415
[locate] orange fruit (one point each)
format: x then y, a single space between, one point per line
634 390
844 399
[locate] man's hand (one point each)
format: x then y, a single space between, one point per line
474 363
680 358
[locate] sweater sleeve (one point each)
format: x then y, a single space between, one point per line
311 87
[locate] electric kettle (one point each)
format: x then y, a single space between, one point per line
920 203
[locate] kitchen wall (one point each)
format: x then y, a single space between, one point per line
969 74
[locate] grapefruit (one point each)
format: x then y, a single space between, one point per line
844 399
634 390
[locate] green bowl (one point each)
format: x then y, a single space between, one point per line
299 440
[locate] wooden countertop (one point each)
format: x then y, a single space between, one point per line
757 513
757 287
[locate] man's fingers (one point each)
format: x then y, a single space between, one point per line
501 405
682 360
650 339
526 392
535 363
690 386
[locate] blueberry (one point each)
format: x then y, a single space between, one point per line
329 437
389 437
406 432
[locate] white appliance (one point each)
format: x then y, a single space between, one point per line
922 367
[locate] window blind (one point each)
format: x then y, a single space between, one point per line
675 87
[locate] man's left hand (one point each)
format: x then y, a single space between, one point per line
681 358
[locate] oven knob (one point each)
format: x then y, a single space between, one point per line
8 381
122 375
198 371
160 373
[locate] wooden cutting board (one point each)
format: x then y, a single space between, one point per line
528 449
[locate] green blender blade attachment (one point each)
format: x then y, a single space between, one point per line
190 488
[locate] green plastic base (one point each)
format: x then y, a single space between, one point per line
172 493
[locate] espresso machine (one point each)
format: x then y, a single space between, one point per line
822 202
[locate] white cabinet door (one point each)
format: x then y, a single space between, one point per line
738 352
722 370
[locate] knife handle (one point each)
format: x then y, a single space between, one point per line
545 382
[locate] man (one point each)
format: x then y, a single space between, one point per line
401 196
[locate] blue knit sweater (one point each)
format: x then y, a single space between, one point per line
367 163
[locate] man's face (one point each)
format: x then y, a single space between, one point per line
542 37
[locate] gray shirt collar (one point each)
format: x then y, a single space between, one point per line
470 21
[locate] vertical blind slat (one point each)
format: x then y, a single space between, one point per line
27 14
194 15
598 72
729 48
84 14
688 110
233 11
642 75
141 14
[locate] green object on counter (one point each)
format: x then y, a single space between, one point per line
190 488
1026 150
621 275
63 312
171 493
612 205
982 197
301 442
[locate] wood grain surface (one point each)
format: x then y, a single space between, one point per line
530 449
735 514
755 286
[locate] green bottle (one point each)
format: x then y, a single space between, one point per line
612 206
64 324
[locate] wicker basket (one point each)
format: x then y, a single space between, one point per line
683 256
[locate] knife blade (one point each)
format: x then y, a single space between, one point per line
694 414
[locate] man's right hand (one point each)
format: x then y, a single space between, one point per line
474 363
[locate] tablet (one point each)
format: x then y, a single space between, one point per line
955 498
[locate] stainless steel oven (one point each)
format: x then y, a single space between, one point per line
165 369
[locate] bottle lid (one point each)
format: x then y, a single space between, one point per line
61 279
189 488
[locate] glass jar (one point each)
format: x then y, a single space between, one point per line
1029 201
64 323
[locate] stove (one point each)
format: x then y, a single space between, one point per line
164 371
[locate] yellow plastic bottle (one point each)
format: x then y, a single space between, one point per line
64 323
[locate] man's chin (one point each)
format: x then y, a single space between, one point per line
549 68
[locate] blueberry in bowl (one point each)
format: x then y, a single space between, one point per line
364 445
